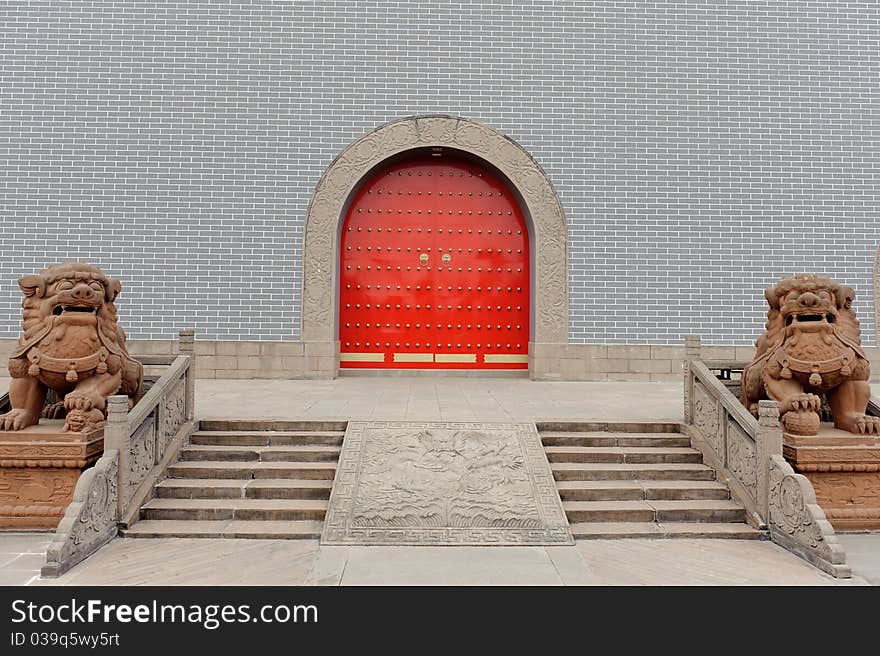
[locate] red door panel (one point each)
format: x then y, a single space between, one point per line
434 270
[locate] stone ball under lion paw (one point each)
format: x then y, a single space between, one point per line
801 422
79 421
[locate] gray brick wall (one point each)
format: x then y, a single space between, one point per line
701 149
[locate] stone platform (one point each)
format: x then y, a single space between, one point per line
845 472
444 483
39 468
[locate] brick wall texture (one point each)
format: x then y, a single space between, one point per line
701 149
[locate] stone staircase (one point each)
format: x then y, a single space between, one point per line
246 479
623 480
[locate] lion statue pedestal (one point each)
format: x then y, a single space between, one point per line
71 344
809 357
39 468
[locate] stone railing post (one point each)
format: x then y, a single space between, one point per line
116 437
187 346
691 354
769 443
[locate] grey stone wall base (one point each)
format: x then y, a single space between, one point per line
90 521
799 524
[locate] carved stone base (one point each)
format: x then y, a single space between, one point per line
845 472
39 468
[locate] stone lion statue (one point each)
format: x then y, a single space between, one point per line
811 347
71 344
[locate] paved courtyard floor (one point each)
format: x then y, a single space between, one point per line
437 399
303 562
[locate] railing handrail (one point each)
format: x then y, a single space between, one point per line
734 407
152 398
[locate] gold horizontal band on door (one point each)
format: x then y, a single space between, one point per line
362 357
413 357
455 357
498 358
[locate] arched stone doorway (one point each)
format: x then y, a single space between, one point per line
537 198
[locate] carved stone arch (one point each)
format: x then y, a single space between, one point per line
340 180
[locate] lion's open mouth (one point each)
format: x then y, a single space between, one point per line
58 310
808 318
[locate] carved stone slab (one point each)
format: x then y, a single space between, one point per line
427 483
845 472
39 468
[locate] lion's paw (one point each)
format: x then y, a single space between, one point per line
17 419
78 401
54 411
866 425
802 402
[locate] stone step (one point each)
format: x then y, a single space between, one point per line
271 425
245 470
618 454
296 530
595 471
597 438
288 489
617 530
266 438
654 511
626 490
200 488
562 426
241 509
299 453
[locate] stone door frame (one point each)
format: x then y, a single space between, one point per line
549 238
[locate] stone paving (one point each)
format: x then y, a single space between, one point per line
21 556
177 561
438 399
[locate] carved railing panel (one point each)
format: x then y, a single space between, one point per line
173 414
706 418
799 524
141 454
90 519
742 458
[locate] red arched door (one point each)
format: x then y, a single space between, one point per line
434 270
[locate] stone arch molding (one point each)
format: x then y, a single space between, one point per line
320 256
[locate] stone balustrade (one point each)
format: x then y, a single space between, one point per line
747 455
138 445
